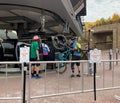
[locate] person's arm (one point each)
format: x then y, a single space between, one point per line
48 48
37 52
74 47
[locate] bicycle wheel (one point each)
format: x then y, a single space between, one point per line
59 42
60 67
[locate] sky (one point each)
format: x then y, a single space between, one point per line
97 9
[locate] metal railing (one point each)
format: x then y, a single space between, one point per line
53 83
11 81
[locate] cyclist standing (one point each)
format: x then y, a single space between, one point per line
75 56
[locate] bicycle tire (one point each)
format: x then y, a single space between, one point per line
59 41
60 68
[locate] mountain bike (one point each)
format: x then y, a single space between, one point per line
64 56
61 67
60 43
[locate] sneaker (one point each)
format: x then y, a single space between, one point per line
72 75
33 76
38 77
78 75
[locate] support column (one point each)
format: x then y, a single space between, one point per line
118 35
21 29
115 39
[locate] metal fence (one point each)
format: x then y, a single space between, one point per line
53 83
11 82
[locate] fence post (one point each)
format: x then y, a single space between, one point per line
95 81
110 57
24 82
116 56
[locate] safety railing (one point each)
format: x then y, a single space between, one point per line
20 88
11 82
54 84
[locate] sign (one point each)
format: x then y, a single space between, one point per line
95 56
24 54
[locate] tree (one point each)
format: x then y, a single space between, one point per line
97 22
115 17
102 21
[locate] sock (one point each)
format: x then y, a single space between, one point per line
36 74
73 71
32 74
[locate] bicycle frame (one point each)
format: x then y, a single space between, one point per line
63 56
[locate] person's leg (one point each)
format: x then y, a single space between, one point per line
78 67
72 67
78 75
46 59
37 71
32 71
32 68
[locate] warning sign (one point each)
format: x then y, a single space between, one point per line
95 56
24 54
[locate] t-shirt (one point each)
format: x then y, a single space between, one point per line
34 46
75 52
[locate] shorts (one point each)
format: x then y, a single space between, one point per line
34 59
76 58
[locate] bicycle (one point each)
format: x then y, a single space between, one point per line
60 43
62 56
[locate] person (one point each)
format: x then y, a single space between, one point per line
34 56
1 50
75 56
46 51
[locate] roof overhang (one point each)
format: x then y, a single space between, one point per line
28 12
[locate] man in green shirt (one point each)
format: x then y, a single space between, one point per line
34 56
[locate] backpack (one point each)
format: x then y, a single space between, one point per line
79 47
45 50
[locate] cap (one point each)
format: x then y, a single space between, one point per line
35 37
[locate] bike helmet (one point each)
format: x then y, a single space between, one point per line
73 38
35 37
